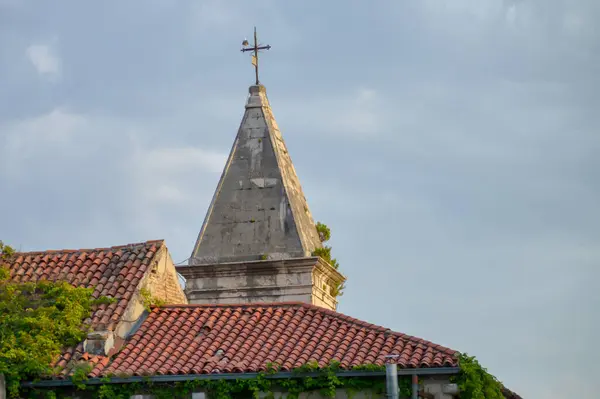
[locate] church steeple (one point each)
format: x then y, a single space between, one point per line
258 211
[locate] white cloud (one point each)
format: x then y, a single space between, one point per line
40 135
45 60
160 174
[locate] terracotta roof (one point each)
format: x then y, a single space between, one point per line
206 339
68 360
113 272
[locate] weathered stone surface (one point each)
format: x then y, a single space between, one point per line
161 282
258 210
306 280
99 342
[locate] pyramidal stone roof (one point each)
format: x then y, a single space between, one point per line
258 210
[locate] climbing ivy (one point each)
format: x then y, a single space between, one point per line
149 301
37 321
6 252
325 382
474 382
325 253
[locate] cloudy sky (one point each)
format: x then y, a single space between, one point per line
452 146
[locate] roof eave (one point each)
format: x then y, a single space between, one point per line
237 376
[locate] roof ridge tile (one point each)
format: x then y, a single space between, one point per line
79 250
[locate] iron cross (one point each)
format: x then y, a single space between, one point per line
255 47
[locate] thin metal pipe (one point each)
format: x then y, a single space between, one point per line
391 380
415 386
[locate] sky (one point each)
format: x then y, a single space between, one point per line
451 146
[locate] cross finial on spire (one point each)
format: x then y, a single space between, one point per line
255 48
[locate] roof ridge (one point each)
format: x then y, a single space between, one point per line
68 250
331 313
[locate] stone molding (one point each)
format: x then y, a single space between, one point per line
285 280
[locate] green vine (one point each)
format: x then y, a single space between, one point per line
80 373
326 382
325 253
149 301
37 321
474 381
324 232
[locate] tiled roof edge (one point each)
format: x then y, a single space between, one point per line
341 316
115 247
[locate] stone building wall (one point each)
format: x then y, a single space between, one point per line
307 280
163 282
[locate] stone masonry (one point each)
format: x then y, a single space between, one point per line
258 210
258 236
308 280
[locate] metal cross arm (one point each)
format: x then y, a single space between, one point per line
257 48
254 48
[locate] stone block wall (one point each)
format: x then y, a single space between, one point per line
305 280
163 282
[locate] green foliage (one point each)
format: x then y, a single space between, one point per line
322 380
325 253
149 301
37 321
80 373
6 253
368 367
474 382
324 232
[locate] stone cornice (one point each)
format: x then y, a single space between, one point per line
260 267
274 290
328 270
256 267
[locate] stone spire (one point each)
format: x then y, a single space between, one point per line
258 211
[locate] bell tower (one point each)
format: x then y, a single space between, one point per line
258 236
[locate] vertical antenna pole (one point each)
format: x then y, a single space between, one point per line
255 48
256 55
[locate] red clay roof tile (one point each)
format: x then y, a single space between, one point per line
98 268
208 339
